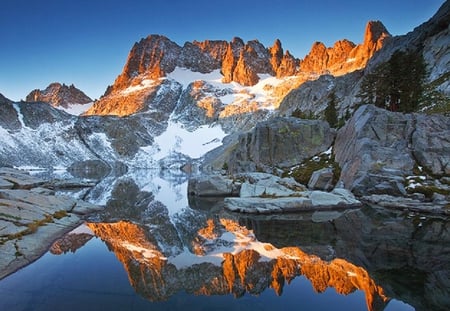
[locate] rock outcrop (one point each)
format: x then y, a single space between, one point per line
32 216
378 149
59 95
280 142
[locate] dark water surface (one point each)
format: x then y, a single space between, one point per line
153 249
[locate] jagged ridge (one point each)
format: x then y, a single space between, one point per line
59 95
154 57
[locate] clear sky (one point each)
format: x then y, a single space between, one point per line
86 42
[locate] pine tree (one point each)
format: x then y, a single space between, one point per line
396 85
330 112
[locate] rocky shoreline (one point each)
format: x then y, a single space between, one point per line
33 216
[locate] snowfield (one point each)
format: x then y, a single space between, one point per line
193 144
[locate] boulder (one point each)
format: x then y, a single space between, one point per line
373 151
280 142
268 205
211 185
377 149
268 185
321 179
310 201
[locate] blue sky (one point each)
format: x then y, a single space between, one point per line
86 42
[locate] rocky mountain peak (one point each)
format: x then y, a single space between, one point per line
156 56
375 31
345 56
3 99
59 95
153 57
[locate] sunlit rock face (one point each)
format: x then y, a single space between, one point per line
226 258
345 56
153 59
59 95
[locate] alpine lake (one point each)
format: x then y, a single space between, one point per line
155 248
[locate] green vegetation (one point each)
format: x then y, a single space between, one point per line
330 112
60 214
297 113
398 84
428 190
303 172
434 101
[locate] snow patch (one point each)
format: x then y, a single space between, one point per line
76 109
186 76
144 84
194 144
20 117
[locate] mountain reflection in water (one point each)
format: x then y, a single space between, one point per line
174 248
226 258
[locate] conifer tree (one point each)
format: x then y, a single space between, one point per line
330 112
396 85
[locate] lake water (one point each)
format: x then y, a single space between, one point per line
152 248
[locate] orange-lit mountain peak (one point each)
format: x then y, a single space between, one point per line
242 265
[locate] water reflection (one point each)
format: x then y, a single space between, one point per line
170 245
224 258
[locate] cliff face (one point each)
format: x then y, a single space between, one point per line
345 56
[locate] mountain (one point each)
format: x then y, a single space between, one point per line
61 96
175 103
3 99
345 56
154 64
430 40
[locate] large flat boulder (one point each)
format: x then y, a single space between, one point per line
211 186
310 201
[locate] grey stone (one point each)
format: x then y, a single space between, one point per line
263 184
377 149
9 228
4 184
21 212
372 149
341 198
325 216
431 143
210 185
19 178
46 203
83 208
321 179
268 205
280 142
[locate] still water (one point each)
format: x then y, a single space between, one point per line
153 249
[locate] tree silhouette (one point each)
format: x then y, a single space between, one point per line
396 85
330 112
